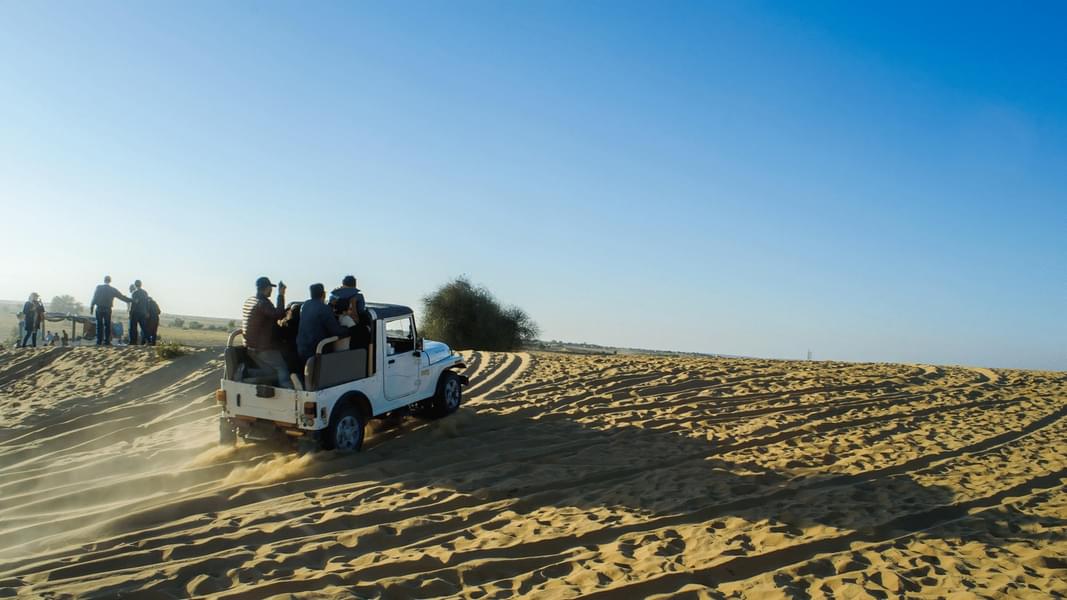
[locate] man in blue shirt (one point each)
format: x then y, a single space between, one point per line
317 322
103 298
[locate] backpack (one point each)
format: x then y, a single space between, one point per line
153 308
344 295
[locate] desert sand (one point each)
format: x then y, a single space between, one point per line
561 476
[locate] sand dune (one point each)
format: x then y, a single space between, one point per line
562 476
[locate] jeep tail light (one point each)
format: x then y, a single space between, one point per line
310 409
220 396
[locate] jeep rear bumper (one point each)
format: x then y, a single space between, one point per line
265 429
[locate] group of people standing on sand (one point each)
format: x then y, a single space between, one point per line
279 339
144 315
143 311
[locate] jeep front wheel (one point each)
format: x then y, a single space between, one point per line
448 397
345 433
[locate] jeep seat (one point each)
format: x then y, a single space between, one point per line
327 370
235 357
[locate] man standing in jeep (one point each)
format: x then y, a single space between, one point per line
339 296
316 323
260 330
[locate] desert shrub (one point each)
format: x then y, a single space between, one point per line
169 350
178 323
196 325
232 324
466 316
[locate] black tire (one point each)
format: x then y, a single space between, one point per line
448 397
227 434
346 430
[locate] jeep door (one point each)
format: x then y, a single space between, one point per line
401 360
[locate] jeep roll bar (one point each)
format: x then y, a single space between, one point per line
329 340
233 334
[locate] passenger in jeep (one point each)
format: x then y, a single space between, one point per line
316 323
356 333
339 296
261 330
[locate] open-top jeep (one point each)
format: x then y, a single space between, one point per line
399 373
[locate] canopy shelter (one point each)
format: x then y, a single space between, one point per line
88 324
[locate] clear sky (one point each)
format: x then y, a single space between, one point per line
880 183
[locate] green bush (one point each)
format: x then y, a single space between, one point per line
169 350
466 316
66 304
196 325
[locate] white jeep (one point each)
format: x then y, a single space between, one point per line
399 373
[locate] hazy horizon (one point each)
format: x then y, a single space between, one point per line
756 179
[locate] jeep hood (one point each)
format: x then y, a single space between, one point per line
435 351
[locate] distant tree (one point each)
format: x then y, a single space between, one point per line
232 324
196 325
466 316
178 322
66 304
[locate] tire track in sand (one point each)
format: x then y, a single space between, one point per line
498 376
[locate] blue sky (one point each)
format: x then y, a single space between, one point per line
873 183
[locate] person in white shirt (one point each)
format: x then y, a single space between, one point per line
357 333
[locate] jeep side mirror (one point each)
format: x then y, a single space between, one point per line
418 343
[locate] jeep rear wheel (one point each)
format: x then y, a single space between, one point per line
448 397
345 433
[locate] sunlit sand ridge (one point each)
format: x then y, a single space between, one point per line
562 476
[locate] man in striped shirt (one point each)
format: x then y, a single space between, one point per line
260 330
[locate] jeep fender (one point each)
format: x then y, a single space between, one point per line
463 379
358 401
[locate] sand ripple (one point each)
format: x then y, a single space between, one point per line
562 476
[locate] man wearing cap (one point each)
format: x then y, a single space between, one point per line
317 323
103 298
260 323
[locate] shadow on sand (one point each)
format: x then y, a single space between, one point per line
630 481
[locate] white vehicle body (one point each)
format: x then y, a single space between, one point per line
398 372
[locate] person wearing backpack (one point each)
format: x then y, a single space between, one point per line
152 322
339 298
